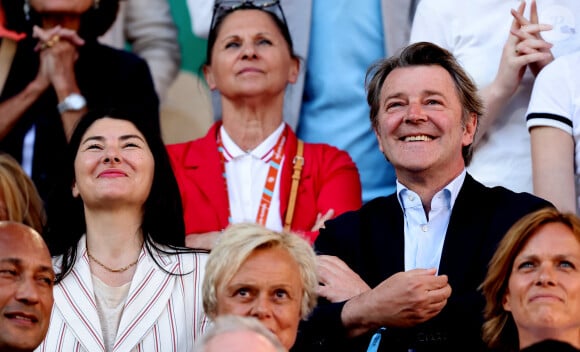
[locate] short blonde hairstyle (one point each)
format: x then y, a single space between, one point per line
237 243
499 329
23 204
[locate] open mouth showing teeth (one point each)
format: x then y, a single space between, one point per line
420 138
21 317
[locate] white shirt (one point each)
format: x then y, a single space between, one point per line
424 237
246 186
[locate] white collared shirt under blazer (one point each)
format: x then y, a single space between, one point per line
162 312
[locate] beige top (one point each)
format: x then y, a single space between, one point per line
110 303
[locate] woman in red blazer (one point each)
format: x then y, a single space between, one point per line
242 169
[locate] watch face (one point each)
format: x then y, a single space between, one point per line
75 102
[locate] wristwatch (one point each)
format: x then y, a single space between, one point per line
73 102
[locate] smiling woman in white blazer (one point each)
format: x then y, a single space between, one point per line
124 280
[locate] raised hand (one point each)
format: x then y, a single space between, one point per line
58 54
530 45
337 281
321 218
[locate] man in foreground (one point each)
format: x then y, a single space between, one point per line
424 250
26 282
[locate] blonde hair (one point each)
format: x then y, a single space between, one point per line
499 329
237 243
23 203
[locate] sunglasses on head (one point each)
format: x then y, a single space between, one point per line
222 8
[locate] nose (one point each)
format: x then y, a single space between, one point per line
546 276
112 155
415 113
249 52
27 291
261 308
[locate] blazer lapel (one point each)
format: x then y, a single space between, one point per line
150 291
463 237
202 163
74 297
386 241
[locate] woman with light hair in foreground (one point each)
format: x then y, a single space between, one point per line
235 333
253 271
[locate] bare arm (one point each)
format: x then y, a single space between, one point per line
553 167
12 109
524 47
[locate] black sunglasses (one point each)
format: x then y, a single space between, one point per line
222 8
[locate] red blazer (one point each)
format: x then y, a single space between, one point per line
329 179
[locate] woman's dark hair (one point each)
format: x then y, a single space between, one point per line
94 22
162 214
220 16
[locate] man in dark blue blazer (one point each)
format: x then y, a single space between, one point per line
424 250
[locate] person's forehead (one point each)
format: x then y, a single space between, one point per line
418 77
19 243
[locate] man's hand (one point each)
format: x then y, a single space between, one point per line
402 300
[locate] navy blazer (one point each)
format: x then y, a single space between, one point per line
371 242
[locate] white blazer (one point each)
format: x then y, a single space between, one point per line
162 312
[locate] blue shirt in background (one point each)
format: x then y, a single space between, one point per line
346 38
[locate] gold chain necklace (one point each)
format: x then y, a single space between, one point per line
120 270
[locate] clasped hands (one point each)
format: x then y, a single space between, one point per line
58 48
48 38
524 47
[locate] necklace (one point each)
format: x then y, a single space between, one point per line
120 270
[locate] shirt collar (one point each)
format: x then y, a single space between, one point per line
262 151
451 190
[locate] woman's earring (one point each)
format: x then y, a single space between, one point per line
26 8
96 4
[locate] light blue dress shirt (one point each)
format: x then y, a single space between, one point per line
424 236
346 38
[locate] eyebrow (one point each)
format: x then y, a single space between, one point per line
122 138
237 36
18 262
423 92
555 256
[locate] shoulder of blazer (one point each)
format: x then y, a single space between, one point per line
498 197
193 153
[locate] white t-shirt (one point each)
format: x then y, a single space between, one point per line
555 102
475 31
